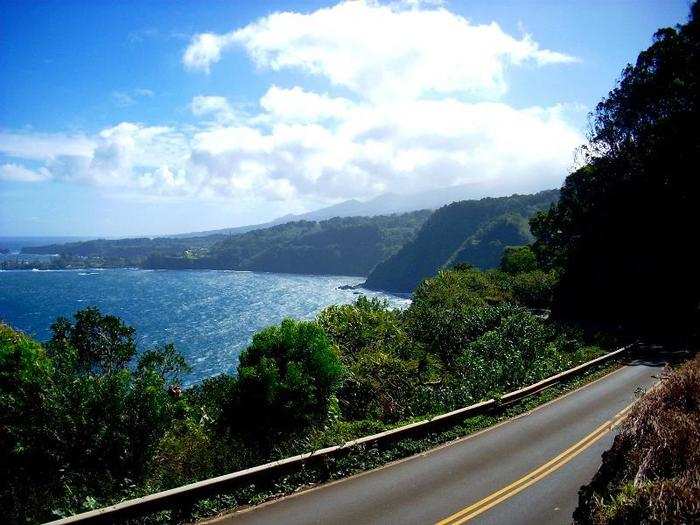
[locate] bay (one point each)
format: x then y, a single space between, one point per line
210 315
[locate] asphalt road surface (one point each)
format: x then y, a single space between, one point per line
526 471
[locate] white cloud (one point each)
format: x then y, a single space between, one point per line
365 149
43 146
413 104
212 106
204 50
381 51
15 172
298 105
115 157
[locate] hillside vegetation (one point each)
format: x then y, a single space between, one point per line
87 420
122 252
652 472
471 232
343 246
396 251
624 230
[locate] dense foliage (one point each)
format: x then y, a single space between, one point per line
127 251
622 230
471 232
286 378
87 419
517 259
341 246
76 423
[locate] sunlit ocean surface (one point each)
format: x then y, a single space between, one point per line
209 315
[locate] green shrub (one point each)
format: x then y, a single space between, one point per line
364 324
449 310
26 428
518 259
533 289
286 378
519 349
380 385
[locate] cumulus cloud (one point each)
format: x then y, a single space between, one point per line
346 150
381 51
413 103
298 105
205 50
212 106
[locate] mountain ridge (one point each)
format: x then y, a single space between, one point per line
472 232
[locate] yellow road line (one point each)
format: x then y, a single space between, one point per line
536 475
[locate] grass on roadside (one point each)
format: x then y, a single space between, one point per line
652 472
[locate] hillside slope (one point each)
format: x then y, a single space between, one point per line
341 246
472 232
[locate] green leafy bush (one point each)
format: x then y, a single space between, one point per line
286 378
448 312
368 323
518 259
533 289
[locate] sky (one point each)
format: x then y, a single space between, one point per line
146 118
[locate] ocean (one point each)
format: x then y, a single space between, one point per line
209 315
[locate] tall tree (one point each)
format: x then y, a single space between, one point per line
625 229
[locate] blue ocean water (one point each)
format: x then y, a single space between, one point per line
209 315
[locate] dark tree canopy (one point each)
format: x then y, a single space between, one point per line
624 231
103 343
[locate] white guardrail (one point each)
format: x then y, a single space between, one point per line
194 491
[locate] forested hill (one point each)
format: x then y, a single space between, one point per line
400 248
130 250
473 232
343 246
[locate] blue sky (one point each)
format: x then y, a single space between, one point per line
163 117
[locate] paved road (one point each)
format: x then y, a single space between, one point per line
527 470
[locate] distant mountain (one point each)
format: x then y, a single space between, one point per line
385 204
396 250
473 232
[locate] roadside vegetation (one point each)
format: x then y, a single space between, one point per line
652 472
88 420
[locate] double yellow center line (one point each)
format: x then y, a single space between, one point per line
514 488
